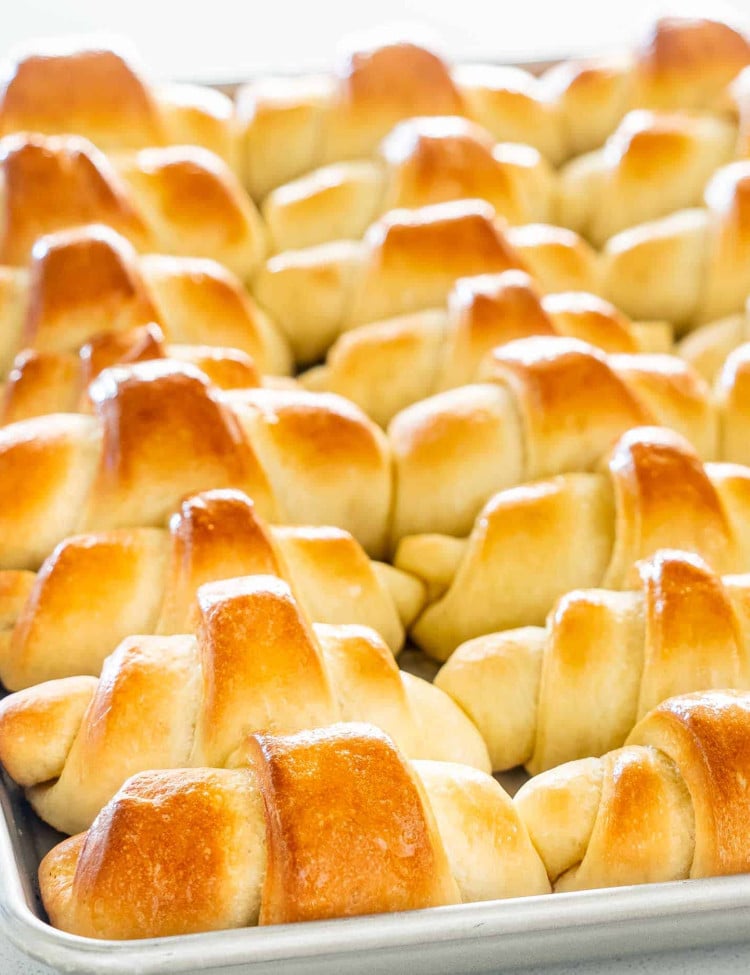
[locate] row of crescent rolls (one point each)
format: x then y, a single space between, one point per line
286 127
687 268
145 580
577 686
486 500
530 545
88 300
296 125
669 805
652 164
171 201
256 664
522 687
158 430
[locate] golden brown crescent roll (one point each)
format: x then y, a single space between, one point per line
732 390
652 165
532 544
681 64
422 161
293 125
575 689
67 86
268 860
386 366
547 405
671 804
161 431
408 261
144 580
180 200
57 382
708 347
89 281
257 664
721 352
690 267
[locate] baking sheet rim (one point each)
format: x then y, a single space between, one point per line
553 918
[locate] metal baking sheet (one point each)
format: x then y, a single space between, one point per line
486 937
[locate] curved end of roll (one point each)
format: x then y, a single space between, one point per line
446 734
495 857
495 680
407 592
56 875
317 379
38 726
559 809
433 558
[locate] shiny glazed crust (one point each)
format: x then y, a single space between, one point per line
144 580
669 805
272 835
161 431
180 200
257 664
538 695
107 102
579 530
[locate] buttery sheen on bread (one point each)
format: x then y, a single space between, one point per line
257 664
532 544
671 804
144 580
402 824
577 687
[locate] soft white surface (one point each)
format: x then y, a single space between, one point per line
733 960
226 39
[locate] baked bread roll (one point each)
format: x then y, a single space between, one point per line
408 261
547 405
652 165
532 544
422 161
386 366
690 267
89 281
57 382
543 696
293 125
160 431
721 352
402 826
681 63
671 804
257 664
732 390
71 87
180 200
708 347
739 95
145 580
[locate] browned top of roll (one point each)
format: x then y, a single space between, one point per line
347 826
